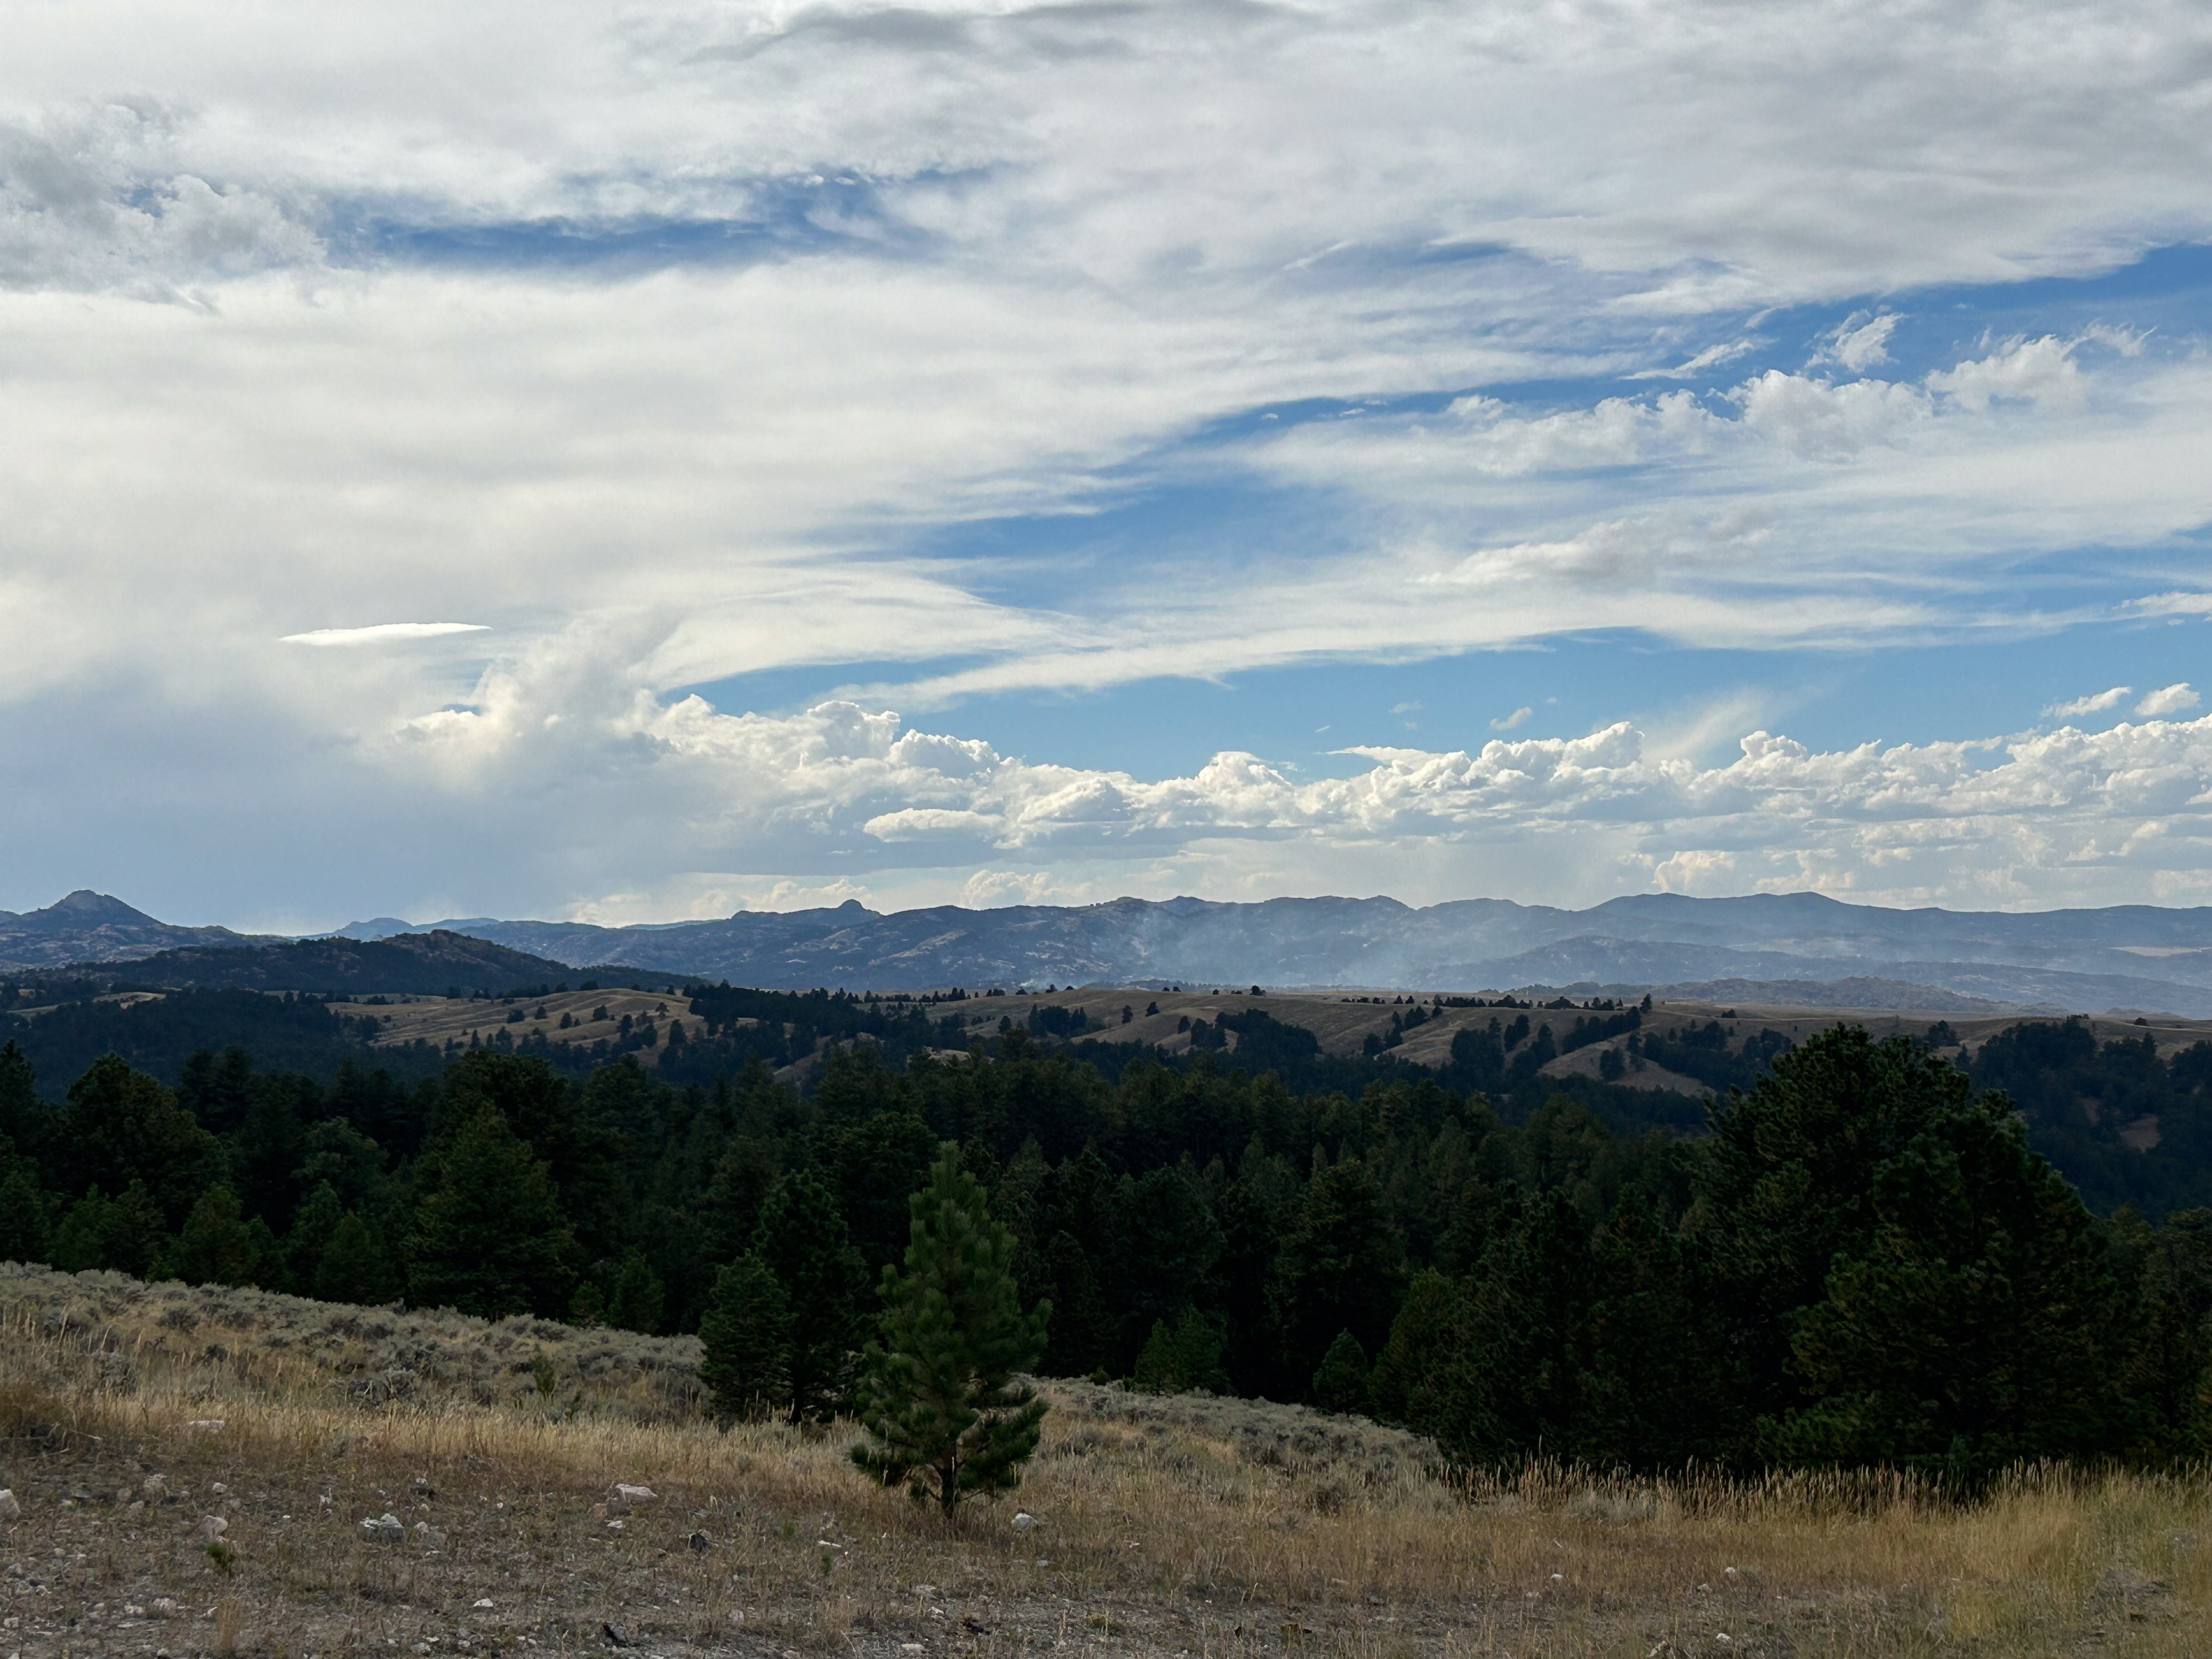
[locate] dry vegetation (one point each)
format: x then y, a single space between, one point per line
1175 1525
438 1020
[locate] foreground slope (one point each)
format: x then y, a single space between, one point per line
1177 1524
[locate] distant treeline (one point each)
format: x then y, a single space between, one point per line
1861 1258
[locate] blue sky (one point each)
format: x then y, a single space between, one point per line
986 452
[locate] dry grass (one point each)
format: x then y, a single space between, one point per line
437 1020
1166 1525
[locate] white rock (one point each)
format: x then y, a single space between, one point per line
153 1486
1023 1520
627 1494
382 1527
211 1528
9 1509
482 1601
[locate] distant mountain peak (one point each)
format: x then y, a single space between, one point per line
83 909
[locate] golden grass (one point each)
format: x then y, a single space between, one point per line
1178 1524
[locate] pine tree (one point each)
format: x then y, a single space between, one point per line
944 1414
802 1240
489 1238
635 1302
124 1235
1341 1382
312 1224
1183 1358
746 1333
354 1266
23 1213
1338 1269
216 1247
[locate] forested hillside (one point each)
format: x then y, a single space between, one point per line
1863 1258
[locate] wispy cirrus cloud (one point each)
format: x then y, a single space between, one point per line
382 633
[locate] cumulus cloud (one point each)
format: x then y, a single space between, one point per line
2168 700
1509 722
94 198
2040 371
2096 703
2039 814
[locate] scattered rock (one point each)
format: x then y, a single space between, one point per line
1023 1520
205 1424
379 1528
700 1542
212 1526
427 1535
164 1607
482 1601
218 1489
616 1638
153 1488
9 1509
626 1496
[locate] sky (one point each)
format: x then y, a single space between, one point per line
638 461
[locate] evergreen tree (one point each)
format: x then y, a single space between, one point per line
1183 1358
634 1303
1338 1269
267 1148
1415 1375
26 1122
801 1240
731 1206
123 1127
1789 1188
25 1211
123 1235
1173 1244
489 1237
746 1334
355 1267
1341 1382
1086 1331
216 1247
944 1414
317 1218
1974 1328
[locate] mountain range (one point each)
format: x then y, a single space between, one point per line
2129 957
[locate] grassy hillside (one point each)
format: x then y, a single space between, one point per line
1180 1524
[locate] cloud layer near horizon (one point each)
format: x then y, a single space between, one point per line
678 343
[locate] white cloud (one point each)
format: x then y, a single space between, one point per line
425 349
2041 371
378 633
1858 346
1712 357
1517 718
2096 703
2168 700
